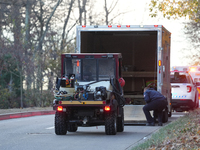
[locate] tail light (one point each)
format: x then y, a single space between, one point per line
107 108
189 89
59 108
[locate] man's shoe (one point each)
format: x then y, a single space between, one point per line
150 124
160 124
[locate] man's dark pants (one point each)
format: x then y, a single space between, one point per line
156 105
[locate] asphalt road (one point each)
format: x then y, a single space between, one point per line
37 133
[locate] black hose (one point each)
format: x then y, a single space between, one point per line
58 84
118 94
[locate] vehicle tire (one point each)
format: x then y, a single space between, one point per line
194 105
169 114
197 102
120 122
170 108
60 123
111 123
72 127
165 116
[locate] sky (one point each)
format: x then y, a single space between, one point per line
139 14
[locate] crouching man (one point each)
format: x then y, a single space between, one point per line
154 101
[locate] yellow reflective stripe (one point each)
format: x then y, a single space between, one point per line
82 102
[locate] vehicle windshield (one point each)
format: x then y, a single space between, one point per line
178 79
90 69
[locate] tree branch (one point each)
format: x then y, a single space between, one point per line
42 38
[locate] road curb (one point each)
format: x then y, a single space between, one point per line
25 114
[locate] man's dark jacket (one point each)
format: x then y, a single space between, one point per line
152 95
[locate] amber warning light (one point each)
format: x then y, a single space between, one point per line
77 63
159 63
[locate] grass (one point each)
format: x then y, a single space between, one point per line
184 133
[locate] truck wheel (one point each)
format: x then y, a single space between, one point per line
165 116
194 106
72 127
197 102
120 122
60 123
169 114
111 123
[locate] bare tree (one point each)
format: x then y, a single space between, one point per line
47 23
38 31
109 16
82 10
65 24
192 30
41 39
109 10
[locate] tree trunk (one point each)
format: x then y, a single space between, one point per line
21 87
26 42
17 27
80 12
65 24
39 48
107 13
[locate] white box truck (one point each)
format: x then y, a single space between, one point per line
146 60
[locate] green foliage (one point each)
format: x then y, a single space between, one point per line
46 98
31 98
9 72
34 98
175 9
4 98
8 99
9 83
10 87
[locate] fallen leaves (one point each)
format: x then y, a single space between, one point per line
184 136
